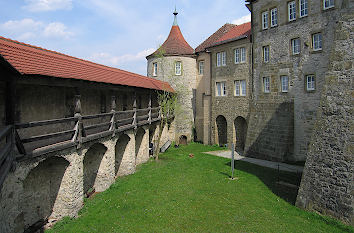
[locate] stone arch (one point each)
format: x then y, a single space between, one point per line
240 125
92 161
221 130
183 140
40 191
120 148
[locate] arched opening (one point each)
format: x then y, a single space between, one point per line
120 148
183 140
92 162
221 130
241 132
152 131
139 150
40 190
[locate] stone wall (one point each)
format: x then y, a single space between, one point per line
54 185
328 181
230 106
296 67
184 85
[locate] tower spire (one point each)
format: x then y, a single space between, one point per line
175 20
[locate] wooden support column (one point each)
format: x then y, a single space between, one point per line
149 107
134 108
113 110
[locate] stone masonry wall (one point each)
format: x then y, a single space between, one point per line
296 67
183 84
230 106
327 184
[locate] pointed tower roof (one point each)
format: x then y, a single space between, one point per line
175 44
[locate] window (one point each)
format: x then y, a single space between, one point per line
220 88
266 53
240 88
317 41
223 58
218 59
310 82
243 54
303 8
265 20
178 68
240 55
284 83
292 10
154 69
201 67
328 4
295 46
266 84
274 17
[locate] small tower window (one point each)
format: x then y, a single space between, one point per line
178 68
154 67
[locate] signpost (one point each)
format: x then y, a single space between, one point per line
232 160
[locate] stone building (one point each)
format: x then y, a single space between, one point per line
174 62
69 127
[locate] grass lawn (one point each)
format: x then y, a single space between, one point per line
182 194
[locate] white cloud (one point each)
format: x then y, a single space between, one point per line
109 59
243 19
29 29
57 29
48 5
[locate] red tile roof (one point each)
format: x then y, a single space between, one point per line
32 60
215 37
175 44
235 32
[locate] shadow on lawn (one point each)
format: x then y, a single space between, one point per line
270 177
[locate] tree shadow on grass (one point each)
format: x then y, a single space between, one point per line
270 177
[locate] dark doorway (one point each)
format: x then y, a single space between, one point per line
241 132
221 130
183 140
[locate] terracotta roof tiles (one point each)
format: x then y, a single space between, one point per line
32 60
236 32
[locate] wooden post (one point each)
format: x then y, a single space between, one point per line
113 110
149 107
134 108
79 129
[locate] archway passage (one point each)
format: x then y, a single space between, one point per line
120 148
183 140
140 147
241 132
40 191
92 162
221 128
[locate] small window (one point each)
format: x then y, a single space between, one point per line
317 41
292 10
310 82
237 88
266 84
284 83
328 4
223 58
295 46
220 88
237 55
266 53
243 54
240 88
154 69
303 8
178 68
201 68
274 17
243 87
265 20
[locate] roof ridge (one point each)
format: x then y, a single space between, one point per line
63 56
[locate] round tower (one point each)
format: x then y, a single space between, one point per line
175 62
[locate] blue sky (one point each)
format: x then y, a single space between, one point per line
117 33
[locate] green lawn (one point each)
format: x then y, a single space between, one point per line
182 194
